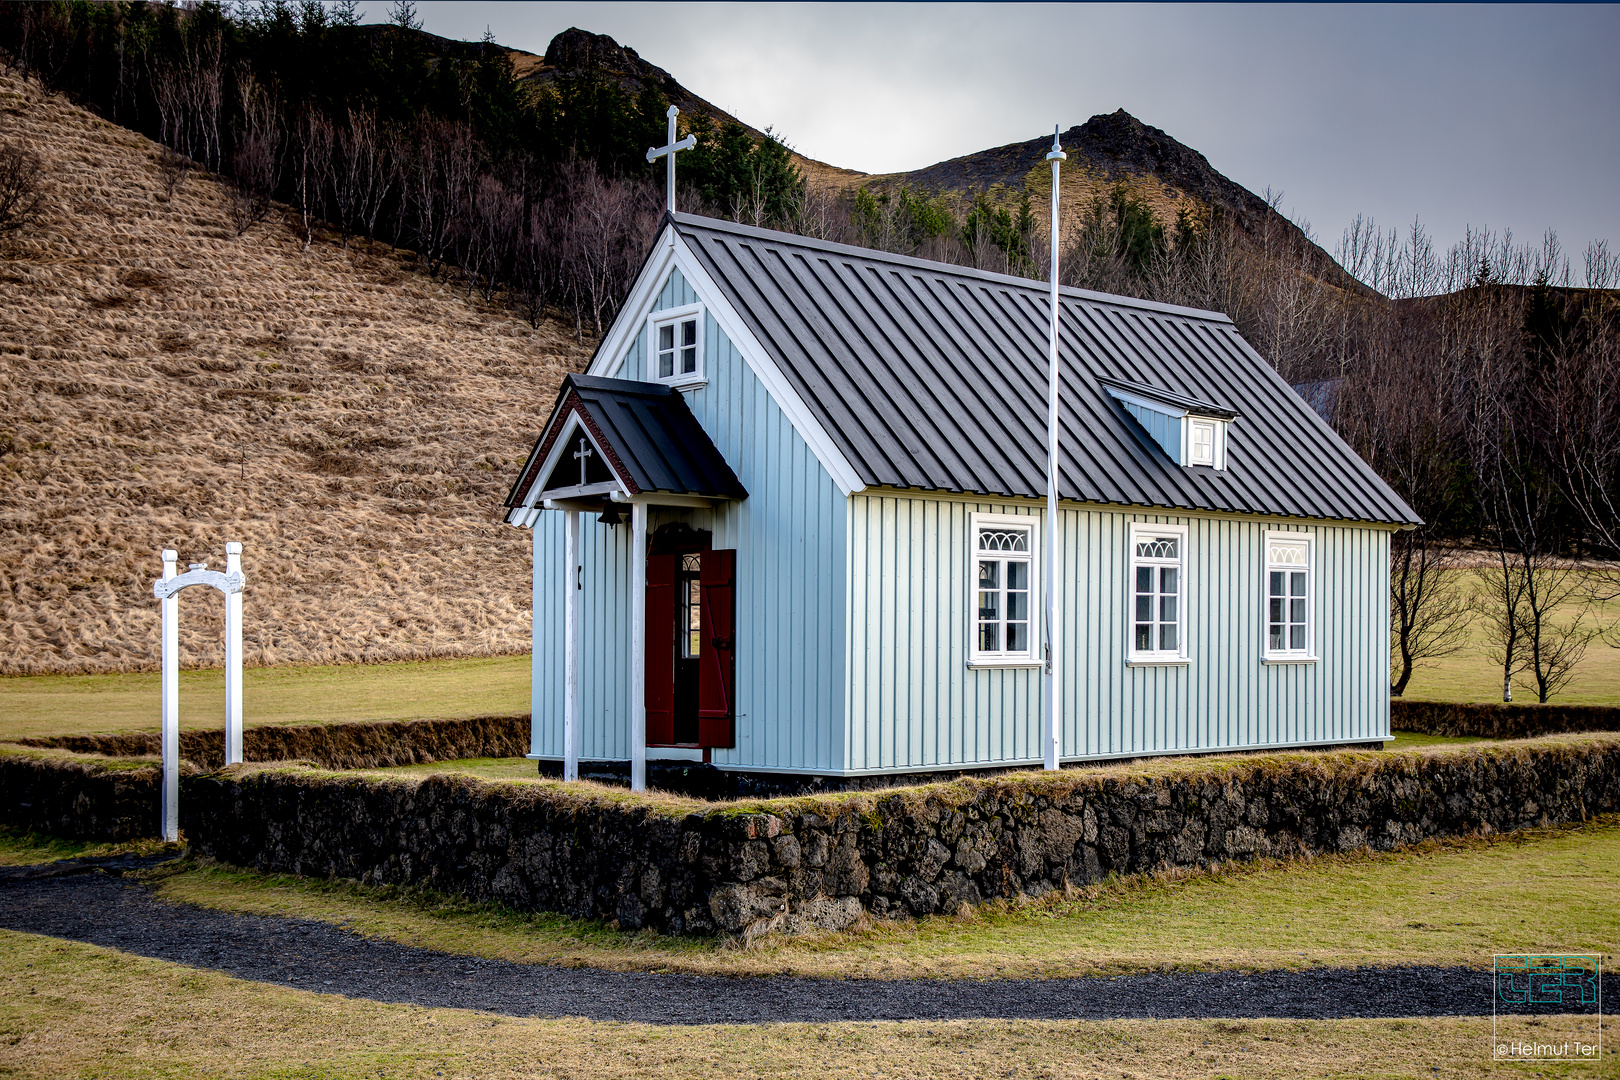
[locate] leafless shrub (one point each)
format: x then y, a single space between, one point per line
173 167
22 198
256 164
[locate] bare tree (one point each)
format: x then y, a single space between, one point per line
611 225
312 165
362 174
21 196
1528 582
256 164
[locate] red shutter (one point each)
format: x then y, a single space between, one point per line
661 649
717 666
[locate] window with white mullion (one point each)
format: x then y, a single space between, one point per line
1004 629
1288 596
675 345
1158 591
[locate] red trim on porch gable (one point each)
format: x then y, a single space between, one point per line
608 450
571 404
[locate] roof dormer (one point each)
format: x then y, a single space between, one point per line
1191 431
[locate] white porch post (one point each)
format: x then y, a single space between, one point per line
233 659
638 646
571 620
169 816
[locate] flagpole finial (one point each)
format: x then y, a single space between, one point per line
1057 153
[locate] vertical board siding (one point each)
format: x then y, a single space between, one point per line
791 538
914 702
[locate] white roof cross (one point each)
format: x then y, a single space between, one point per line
668 153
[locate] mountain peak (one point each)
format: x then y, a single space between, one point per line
575 48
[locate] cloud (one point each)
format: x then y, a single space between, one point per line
1490 115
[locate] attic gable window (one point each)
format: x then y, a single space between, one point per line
1202 448
675 346
1190 431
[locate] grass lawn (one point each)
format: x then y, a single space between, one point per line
18 848
1412 740
1471 676
61 704
512 768
1440 903
69 1009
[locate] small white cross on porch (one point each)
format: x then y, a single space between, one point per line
581 454
667 152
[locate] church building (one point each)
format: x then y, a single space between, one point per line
791 523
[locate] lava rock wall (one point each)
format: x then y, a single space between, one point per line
794 864
1499 720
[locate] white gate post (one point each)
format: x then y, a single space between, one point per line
233 658
167 591
169 815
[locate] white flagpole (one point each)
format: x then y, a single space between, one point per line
1052 733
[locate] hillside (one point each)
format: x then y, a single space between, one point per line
1117 148
168 383
1110 149
575 50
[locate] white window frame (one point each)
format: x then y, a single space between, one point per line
1031 657
1143 530
1193 424
1307 655
659 319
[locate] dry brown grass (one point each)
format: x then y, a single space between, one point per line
167 383
68 1009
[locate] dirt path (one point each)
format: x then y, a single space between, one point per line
87 900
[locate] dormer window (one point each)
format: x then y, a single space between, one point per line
1190 431
675 346
1202 450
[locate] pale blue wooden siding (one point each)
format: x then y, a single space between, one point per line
914 702
791 538
1166 430
604 674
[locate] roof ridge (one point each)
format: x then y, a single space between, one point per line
1035 285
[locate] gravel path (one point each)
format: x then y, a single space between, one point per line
86 900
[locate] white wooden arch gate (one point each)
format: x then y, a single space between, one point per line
167 589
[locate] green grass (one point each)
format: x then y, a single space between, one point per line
34 705
1470 676
1453 902
512 768
58 704
1412 740
19 847
74 1010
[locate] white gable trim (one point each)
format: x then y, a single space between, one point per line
527 513
673 252
637 306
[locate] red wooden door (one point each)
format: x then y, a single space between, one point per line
717 666
661 649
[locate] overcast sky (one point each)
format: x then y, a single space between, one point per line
1499 116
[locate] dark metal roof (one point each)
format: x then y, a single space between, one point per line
1174 401
649 436
934 376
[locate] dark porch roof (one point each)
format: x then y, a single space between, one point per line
652 441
